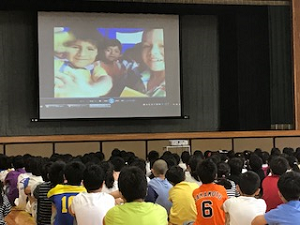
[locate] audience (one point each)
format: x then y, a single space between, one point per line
135 210
201 201
243 209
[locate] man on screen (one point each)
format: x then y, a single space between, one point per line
80 74
149 78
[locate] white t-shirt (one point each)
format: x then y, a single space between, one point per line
110 190
90 208
242 210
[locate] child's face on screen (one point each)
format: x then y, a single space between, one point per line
82 53
153 50
112 53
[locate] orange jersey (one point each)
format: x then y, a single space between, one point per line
209 198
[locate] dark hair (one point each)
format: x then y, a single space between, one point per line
175 175
36 164
112 43
289 186
93 177
249 182
236 165
193 162
74 172
116 164
18 162
140 163
4 162
176 157
279 165
255 162
207 171
185 156
132 183
56 173
288 151
46 170
169 158
275 151
293 163
223 173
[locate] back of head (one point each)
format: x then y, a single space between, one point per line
193 162
293 163
140 163
288 151
279 165
175 175
132 183
36 164
93 177
169 158
74 172
185 156
236 165
160 167
117 162
275 151
18 162
56 173
207 171
223 170
289 186
249 183
255 162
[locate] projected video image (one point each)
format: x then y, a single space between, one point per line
110 62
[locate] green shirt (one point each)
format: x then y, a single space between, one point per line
141 213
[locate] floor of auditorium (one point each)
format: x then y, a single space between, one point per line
19 217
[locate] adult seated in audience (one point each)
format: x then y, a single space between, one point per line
183 204
90 208
278 166
159 186
133 187
289 212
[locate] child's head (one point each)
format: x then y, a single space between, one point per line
93 177
56 173
207 171
279 165
175 175
160 167
113 49
82 49
18 162
236 165
249 183
223 170
289 186
74 172
132 183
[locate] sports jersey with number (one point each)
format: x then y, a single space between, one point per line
209 198
62 196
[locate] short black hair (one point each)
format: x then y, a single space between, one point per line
249 182
279 165
185 156
207 171
236 165
93 177
18 162
112 43
132 183
117 162
175 174
289 186
74 172
56 173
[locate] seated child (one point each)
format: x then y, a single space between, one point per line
62 194
278 166
159 186
289 212
90 208
5 206
183 205
133 187
209 197
235 208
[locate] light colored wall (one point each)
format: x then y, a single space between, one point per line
39 149
1 149
211 144
241 144
77 148
137 147
292 142
158 146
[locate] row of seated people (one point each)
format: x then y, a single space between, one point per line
214 188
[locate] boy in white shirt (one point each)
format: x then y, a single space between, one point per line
243 209
90 208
